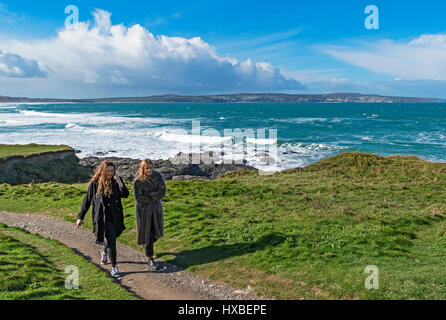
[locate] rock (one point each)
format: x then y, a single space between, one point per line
60 166
189 177
267 160
172 168
248 290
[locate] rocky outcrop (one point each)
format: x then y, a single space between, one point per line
66 167
171 168
57 166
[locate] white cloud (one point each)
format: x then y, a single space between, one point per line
339 80
90 76
13 65
430 40
422 58
102 59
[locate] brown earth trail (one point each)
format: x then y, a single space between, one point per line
168 283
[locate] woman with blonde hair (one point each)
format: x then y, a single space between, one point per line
104 194
149 189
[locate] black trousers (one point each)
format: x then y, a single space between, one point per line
110 241
149 247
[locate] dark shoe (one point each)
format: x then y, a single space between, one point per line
152 264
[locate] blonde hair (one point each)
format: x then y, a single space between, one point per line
142 173
100 176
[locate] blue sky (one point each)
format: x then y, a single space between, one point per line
258 46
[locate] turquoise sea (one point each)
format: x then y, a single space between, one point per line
306 132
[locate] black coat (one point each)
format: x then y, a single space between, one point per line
149 208
97 203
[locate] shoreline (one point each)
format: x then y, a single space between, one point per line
213 170
224 102
336 97
171 169
52 165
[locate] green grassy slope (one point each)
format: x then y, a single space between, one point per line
33 267
9 150
301 233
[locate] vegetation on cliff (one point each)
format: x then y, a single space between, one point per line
26 150
35 163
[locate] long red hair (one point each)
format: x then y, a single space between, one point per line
100 176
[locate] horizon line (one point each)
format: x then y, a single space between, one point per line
223 94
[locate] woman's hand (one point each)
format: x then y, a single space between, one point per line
118 180
79 223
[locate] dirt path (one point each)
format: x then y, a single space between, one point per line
169 283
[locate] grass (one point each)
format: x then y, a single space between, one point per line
9 150
301 233
33 267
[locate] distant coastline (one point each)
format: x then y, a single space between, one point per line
239 98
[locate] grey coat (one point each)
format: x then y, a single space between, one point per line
149 209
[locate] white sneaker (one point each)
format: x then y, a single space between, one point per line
115 271
103 257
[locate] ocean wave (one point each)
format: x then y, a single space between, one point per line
5 107
303 120
31 117
338 120
260 141
300 120
365 138
135 136
189 138
305 148
432 138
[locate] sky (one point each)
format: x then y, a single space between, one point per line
91 49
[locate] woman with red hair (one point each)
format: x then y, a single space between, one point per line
104 194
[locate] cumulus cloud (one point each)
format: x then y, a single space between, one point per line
13 65
113 59
422 58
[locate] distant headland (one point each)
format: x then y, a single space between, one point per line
242 97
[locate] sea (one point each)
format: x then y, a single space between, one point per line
292 134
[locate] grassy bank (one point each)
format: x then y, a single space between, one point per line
33 267
302 233
48 166
9 150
